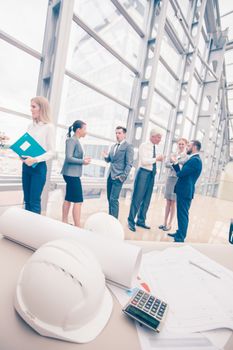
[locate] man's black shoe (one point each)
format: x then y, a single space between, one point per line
172 235
143 225
131 227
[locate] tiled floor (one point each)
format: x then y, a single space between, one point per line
209 217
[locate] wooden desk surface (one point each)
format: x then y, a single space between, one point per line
120 332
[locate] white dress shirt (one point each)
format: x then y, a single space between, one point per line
116 147
45 136
146 159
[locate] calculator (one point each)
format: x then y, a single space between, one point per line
146 309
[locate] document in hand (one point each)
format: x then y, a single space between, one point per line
26 145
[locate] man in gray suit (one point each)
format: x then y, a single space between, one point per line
121 159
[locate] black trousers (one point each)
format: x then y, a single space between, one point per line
33 180
143 188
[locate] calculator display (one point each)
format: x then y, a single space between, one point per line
142 316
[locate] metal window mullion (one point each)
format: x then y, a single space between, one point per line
55 47
95 88
135 101
11 111
169 69
173 114
158 43
62 126
174 37
95 36
176 6
128 18
159 92
8 38
190 120
207 65
197 76
183 22
213 168
193 99
226 14
192 66
159 124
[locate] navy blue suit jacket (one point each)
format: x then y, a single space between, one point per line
187 177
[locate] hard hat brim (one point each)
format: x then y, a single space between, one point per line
93 328
84 334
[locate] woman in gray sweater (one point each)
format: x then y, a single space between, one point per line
72 171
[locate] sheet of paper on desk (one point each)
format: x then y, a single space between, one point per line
211 340
197 299
148 339
165 341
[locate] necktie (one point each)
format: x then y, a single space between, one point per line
154 151
116 148
154 164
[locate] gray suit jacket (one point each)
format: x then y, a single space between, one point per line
121 161
74 158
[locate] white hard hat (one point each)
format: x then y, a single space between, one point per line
61 292
106 225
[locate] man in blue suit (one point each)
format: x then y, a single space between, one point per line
185 188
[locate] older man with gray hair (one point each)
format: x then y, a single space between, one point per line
144 181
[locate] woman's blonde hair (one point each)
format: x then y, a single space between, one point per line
43 103
182 139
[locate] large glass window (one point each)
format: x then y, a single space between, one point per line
94 63
195 88
160 110
166 83
200 67
187 129
136 9
170 55
104 18
100 113
24 20
202 46
185 6
174 18
19 76
191 109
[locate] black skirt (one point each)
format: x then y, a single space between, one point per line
74 192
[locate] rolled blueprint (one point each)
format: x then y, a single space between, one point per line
119 260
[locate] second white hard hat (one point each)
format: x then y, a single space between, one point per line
61 292
105 225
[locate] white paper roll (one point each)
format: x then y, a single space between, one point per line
120 261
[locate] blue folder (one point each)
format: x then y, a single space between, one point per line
26 145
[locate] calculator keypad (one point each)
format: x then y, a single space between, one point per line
148 303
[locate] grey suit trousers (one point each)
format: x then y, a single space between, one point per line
143 188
